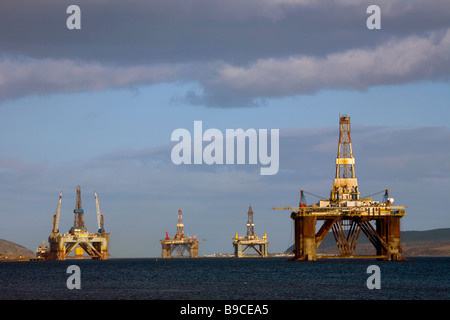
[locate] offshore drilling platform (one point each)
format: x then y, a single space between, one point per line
346 214
179 243
260 245
86 245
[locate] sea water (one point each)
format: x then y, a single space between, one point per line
226 279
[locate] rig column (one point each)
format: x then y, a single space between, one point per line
305 238
237 250
393 239
389 230
193 251
166 251
57 249
263 248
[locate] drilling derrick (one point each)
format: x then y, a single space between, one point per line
345 186
250 224
260 245
179 243
78 239
180 226
346 214
78 212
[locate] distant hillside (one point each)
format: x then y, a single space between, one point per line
429 235
11 250
434 242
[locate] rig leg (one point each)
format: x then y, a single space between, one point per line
166 251
193 251
263 249
237 250
305 238
388 229
393 239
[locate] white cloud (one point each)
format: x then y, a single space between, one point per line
411 59
47 76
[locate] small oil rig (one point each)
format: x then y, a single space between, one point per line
346 214
260 245
86 245
180 243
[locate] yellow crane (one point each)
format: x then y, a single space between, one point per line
101 228
56 216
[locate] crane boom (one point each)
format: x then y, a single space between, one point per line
99 215
56 216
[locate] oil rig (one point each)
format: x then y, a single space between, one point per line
260 245
86 245
346 214
180 243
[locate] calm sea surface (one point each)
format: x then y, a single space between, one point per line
226 279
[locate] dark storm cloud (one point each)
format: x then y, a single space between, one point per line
177 31
239 52
182 31
411 59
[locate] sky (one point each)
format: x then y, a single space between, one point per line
96 107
